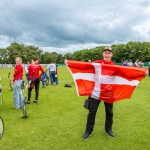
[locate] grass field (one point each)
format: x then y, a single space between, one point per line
57 121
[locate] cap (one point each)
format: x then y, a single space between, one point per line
108 49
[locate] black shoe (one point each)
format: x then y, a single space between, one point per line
86 135
110 133
28 102
35 101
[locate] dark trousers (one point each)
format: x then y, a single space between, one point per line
93 106
28 77
56 80
36 84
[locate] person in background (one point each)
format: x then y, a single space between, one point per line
149 68
44 79
26 70
140 64
94 103
125 63
136 64
34 72
130 63
17 80
56 75
52 71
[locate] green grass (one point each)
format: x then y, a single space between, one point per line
58 121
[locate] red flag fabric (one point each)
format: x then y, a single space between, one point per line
109 83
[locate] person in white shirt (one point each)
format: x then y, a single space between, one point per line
52 71
26 70
130 63
136 64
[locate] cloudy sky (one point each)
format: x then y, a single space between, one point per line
67 25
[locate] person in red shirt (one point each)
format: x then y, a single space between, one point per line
94 103
34 72
17 80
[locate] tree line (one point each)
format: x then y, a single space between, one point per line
27 53
130 51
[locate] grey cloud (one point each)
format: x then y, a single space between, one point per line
58 24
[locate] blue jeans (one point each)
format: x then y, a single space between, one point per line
52 77
44 82
18 95
56 80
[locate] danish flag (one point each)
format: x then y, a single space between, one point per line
109 83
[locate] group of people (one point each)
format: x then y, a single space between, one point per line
138 63
34 74
127 63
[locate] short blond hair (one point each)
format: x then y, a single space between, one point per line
19 59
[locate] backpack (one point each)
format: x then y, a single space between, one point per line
68 85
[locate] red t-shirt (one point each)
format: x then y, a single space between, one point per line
102 61
18 72
34 71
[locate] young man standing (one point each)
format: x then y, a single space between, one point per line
94 103
52 71
34 72
18 74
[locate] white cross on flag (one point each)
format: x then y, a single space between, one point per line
109 83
